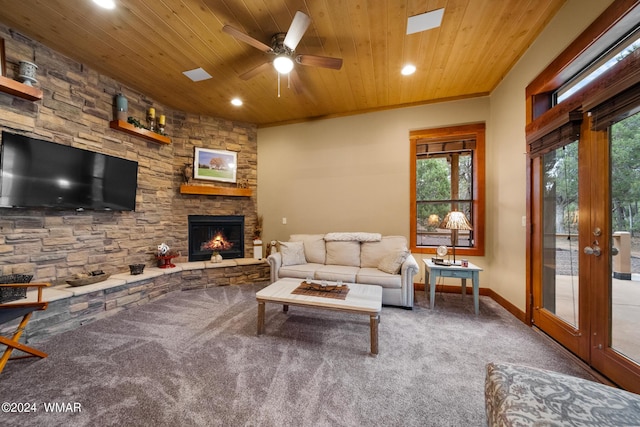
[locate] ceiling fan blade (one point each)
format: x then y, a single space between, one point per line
255 71
234 32
320 61
297 29
300 89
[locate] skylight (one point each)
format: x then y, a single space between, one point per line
197 74
424 21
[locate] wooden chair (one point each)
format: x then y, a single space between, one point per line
10 310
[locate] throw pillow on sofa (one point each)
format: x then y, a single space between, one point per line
314 246
292 253
372 252
392 262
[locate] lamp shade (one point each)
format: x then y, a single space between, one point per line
283 64
456 221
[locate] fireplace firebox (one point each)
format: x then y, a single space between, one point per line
203 228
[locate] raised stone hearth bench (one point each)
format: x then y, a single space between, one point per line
71 307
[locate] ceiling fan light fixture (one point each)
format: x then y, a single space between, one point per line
283 64
237 102
408 69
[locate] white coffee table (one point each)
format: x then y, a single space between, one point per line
361 299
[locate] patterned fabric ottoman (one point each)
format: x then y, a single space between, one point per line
523 396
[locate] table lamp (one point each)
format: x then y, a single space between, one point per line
455 221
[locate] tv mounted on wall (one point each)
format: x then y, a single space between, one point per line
41 174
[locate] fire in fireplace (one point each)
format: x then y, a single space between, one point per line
227 229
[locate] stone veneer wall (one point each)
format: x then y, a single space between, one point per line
75 110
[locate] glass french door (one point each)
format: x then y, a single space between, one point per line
586 246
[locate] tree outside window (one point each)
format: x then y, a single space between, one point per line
447 174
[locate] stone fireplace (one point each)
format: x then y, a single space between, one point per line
203 228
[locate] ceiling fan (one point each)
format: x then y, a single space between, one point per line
283 46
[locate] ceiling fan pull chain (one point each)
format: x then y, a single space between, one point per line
278 85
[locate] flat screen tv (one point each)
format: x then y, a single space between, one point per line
42 174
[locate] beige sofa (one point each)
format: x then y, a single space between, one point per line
365 258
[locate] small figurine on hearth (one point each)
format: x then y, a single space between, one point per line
163 249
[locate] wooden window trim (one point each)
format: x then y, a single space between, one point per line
540 91
472 131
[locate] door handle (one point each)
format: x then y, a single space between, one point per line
592 250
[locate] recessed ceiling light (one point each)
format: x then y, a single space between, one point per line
236 101
408 69
107 4
424 21
197 74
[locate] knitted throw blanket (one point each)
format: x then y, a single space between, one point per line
356 236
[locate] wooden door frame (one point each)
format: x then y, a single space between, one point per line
603 357
574 339
540 114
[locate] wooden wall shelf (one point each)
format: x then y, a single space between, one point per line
20 90
142 133
215 191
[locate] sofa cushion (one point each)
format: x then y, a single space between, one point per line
301 271
373 276
334 273
292 253
343 253
392 262
373 252
314 247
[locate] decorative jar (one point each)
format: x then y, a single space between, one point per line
122 107
27 72
136 269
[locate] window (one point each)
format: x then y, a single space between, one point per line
447 173
610 58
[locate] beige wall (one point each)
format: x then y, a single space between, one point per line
352 173
349 173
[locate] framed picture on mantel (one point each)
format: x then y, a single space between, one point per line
215 165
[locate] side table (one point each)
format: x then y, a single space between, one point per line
471 272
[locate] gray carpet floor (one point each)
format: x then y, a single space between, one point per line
193 359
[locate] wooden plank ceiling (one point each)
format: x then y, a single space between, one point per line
147 44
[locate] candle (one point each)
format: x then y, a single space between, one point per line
152 112
162 119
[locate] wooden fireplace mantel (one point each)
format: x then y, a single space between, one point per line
215 191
